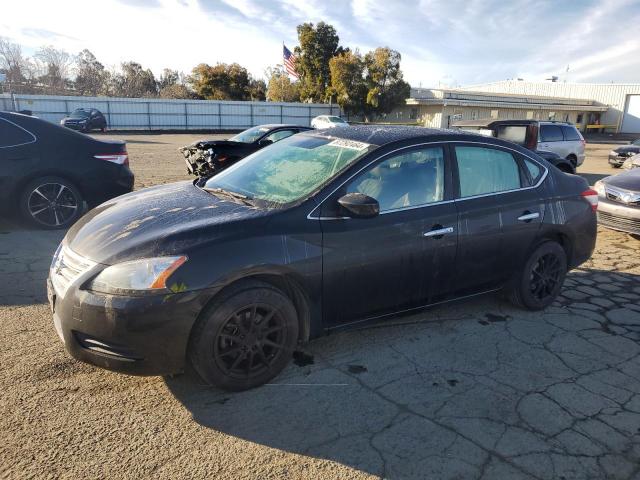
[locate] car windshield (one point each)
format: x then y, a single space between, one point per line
636 142
336 120
290 170
80 113
251 135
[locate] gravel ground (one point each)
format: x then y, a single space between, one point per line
473 390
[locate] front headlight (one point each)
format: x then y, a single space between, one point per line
613 153
146 275
599 187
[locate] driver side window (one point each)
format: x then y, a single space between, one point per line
410 179
279 135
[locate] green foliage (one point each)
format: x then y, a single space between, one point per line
257 90
317 46
369 85
280 87
223 82
133 81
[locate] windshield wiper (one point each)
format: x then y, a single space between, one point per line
228 193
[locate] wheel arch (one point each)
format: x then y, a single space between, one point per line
559 237
23 182
281 279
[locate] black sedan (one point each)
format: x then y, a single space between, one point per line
85 120
620 201
208 157
321 231
618 156
47 172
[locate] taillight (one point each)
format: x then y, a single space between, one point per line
121 158
591 196
531 141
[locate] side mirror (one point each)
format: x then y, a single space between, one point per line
264 142
359 205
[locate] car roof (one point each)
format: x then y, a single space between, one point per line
384 134
273 126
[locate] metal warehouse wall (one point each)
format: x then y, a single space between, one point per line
160 114
613 95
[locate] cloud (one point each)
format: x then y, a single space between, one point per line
455 41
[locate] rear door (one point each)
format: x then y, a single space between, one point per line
18 153
552 139
401 258
497 211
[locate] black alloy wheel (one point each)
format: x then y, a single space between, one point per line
539 282
250 341
244 337
51 203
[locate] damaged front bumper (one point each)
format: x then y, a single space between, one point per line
138 335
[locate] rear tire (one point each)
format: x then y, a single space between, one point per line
539 282
245 338
51 203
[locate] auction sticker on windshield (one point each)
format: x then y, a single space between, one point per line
352 144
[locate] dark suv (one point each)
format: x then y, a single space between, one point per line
322 230
85 120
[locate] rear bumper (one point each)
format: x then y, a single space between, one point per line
146 335
580 160
618 216
111 185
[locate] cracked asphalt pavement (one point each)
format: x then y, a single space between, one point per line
473 390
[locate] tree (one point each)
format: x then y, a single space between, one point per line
221 82
91 75
12 62
176 90
257 89
347 82
56 64
317 46
385 84
133 81
280 87
168 77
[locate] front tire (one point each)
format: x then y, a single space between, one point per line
245 338
539 282
51 203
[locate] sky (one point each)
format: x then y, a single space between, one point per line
442 43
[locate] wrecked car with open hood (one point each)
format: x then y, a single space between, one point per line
205 158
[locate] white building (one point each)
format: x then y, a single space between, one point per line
610 107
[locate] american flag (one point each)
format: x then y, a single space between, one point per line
289 60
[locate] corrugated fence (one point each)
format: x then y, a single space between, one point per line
161 114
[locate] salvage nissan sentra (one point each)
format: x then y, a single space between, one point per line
320 231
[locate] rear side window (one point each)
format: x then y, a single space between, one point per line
486 170
513 133
279 135
535 171
551 133
12 135
570 133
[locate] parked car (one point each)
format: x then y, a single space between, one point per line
47 172
619 207
632 162
208 157
557 161
620 155
85 120
320 231
561 138
328 121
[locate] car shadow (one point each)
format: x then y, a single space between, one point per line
25 257
384 399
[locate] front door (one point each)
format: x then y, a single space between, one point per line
401 258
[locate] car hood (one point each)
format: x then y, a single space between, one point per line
157 221
629 180
206 144
628 149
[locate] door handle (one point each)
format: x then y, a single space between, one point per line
438 232
527 217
